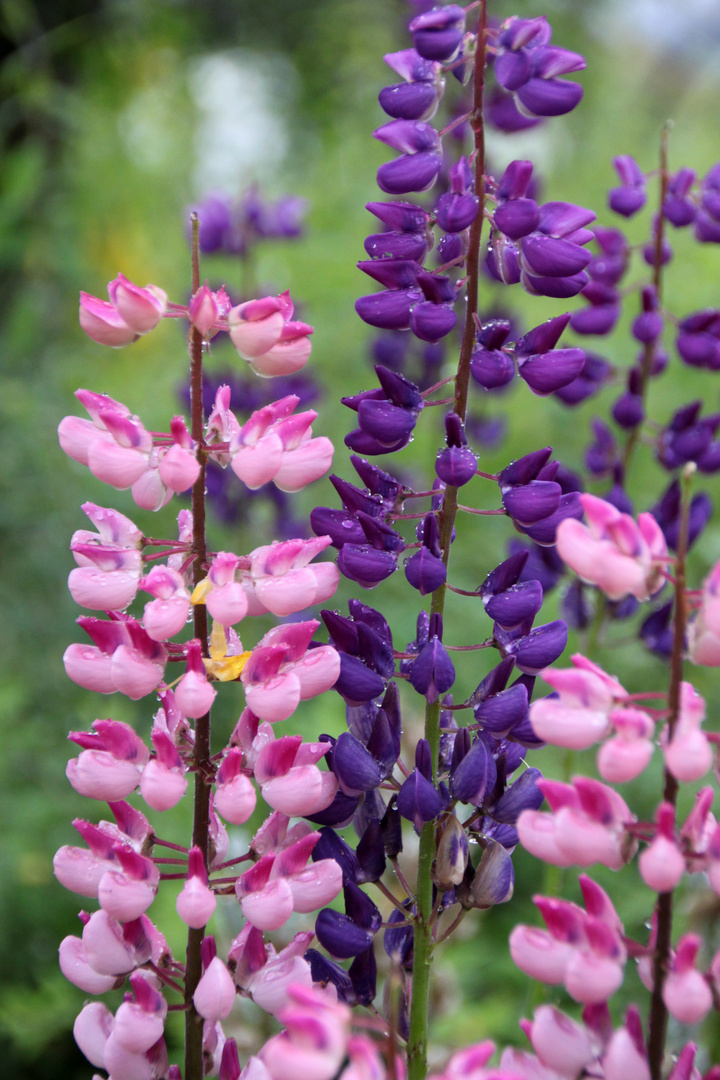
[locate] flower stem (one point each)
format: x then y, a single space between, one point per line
650 348
657 1026
423 943
201 759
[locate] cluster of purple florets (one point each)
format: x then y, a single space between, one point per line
234 227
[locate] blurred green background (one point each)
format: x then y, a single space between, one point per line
114 115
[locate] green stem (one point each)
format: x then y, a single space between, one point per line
423 943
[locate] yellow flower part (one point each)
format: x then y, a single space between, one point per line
222 667
227 669
200 591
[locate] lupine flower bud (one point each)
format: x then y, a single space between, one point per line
204 311
409 101
140 308
688 755
629 198
418 800
433 672
194 694
163 782
451 857
473 780
234 792
494 880
677 207
196 902
662 864
215 993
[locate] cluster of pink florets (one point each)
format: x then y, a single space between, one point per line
263 331
118 866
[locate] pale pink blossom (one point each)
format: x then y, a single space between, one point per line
207 309
127 892
256 449
703 632
76 968
102 322
123 658
586 825
288 355
688 754
625 1054
91 1030
222 590
255 326
139 1024
114 948
289 778
614 552
560 1043
126 1065
314 1042
282 671
281 581
178 467
468 1063
167 614
580 715
110 764
584 950
624 756
686 992
279 884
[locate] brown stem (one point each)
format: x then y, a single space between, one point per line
201 758
657 1026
